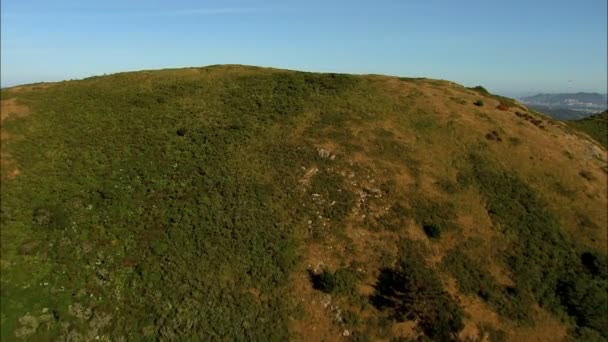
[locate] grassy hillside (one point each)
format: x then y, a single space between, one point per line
242 203
596 126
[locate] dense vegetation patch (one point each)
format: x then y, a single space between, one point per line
473 277
166 205
434 217
412 291
543 259
341 282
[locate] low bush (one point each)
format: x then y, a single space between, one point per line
587 175
542 258
341 282
434 217
493 136
514 141
432 231
478 103
473 278
50 217
412 291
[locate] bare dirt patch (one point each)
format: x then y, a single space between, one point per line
30 87
9 108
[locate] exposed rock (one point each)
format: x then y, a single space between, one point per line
29 324
99 321
323 153
80 311
305 180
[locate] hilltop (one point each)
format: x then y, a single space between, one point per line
244 203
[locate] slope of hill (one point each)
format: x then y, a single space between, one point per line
242 203
595 125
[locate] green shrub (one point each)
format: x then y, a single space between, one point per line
341 282
541 256
432 231
474 278
50 217
480 90
351 318
434 217
587 175
593 263
412 291
493 334
478 103
586 299
514 141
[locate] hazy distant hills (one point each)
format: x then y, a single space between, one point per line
568 106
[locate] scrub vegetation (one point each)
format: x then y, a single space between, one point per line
243 203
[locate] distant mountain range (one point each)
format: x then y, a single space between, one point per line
568 106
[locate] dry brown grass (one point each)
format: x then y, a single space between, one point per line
459 125
9 108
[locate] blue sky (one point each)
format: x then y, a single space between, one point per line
512 47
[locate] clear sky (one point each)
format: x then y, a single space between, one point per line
512 47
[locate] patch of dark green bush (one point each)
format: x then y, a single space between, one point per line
514 141
432 231
493 136
412 291
493 334
473 278
50 217
343 281
587 175
434 217
478 103
448 186
544 260
351 318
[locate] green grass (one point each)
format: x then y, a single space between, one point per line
473 278
162 228
541 256
412 291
